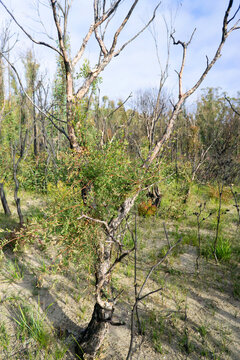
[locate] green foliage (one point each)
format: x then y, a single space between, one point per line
175 189
223 249
236 288
36 176
59 91
85 71
219 129
111 176
186 345
13 271
203 331
31 324
155 327
4 336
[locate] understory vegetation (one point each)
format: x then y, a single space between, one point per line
48 263
47 279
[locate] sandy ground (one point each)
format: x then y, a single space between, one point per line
187 304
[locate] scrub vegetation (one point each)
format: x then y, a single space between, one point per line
120 222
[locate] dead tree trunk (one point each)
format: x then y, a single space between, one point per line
95 333
4 200
16 198
15 170
91 340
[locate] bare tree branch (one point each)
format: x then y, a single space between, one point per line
27 34
138 296
83 216
156 265
106 15
231 105
48 116
184 46
139 32
183 96
119 259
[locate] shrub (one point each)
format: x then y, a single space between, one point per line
146 208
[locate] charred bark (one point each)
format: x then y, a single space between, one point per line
4 201
15 171
95 333
91 340
154 195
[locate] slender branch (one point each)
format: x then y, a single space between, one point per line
149 293
202 160
139 32
234 194
122 104
95 220
92 28
97 36
27 34
231 105
184 46
233 17
166 234
158 147
119 259
60 35
48 116
83 46
108 55
156 265
138 296
124 22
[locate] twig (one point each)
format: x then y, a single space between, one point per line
166 234
27 34
138 296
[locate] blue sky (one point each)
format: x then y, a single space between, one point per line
137 66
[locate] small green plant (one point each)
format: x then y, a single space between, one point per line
79 348
31 324
154 325
223 249
186 345
236 289
203 330
128 270
59 353
13 271
43 267
4 337
157 344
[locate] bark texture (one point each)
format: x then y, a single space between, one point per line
4 201
95 333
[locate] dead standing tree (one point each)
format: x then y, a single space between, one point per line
94 334
104 12
92 338
6 209
16 162
4 38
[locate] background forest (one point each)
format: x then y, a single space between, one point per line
89 217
